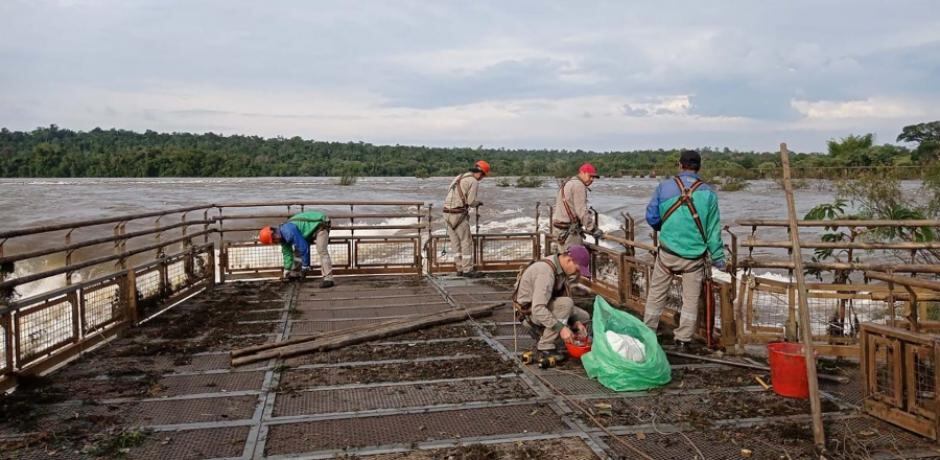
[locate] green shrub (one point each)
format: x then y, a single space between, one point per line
529 182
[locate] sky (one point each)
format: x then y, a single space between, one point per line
598 75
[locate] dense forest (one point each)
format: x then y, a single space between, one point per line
56 152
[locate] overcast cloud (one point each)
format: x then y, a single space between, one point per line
595 75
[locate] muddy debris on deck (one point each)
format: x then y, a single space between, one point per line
295 379
564 448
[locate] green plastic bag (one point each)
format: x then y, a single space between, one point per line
614 371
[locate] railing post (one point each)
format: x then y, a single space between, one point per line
729 330
76 297
6 321
129 289
211 265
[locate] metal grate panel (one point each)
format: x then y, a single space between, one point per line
193 410
43 328
177 276
395 429
193 444
372 312
367 352
210 383
362 399
431 370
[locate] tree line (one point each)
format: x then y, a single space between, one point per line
56 152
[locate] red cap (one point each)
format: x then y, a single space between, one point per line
588 168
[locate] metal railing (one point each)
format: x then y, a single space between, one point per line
102 285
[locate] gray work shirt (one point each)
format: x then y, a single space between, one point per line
538 285
577 197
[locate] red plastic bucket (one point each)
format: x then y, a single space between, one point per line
578 347
788 369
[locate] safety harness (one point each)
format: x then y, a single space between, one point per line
574 222
464 208
685 198
522 311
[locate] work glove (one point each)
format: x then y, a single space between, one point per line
476 204
720 264
597 233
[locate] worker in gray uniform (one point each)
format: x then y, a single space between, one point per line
571 217
461 196
543 304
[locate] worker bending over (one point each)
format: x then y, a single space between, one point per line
685 212
461 196
571 218
543 303
297 233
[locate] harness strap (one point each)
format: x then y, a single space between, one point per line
460 193
564 200
523 311
685 198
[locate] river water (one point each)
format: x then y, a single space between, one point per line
29 202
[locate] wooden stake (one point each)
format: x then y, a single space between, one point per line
819 435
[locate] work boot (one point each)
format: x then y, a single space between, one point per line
534 331
550 358
687 347
472 274
326 284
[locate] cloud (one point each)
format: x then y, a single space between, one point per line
527 73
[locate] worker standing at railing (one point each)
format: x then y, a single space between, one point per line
571 218
297 233
685 212
461 196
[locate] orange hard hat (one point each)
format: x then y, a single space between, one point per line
267 235
483 166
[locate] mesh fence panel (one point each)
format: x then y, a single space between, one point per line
443 254
607 269
924 387
3 347
884 364
43 328
339 255
176 275
507 250
102 305
148 284
385 253
768 309
254 257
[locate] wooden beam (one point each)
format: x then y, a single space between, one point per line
819 435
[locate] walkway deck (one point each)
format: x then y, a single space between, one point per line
166 391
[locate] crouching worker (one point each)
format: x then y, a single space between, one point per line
297 233
543 303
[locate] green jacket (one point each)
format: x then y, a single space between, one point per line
297 233
679 233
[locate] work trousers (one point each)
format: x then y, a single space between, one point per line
461 241
562 309
693 272
323 245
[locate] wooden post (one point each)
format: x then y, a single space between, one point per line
130 297
819 435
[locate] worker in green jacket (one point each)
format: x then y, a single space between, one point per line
684 210
297 234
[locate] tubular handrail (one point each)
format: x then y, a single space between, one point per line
99 260
332 216
904 268
753 243
110 239
838 223
102 221
319 203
